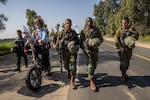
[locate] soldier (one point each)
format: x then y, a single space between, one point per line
91 38
68 41
125 42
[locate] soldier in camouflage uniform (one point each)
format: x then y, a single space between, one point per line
66 36
90 32
124 51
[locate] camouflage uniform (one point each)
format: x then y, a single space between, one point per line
124 56
91 53
69 59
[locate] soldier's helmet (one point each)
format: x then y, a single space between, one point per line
129 42
72 47
94 42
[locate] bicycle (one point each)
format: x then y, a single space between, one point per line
34 76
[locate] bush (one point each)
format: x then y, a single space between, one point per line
141 29
5 46
145 38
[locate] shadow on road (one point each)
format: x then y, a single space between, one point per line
9 82
104 80
57 76
46 89
7 70
104 56
133 81
84 82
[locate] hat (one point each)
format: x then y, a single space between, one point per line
72 47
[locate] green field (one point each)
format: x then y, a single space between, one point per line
5 46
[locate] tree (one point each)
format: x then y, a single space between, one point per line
99 18
135 9
3 18
51 34
3 1
57 27
31 15
62 25
108 14
103 13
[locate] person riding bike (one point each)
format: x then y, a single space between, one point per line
42 43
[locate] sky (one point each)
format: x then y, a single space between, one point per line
52 11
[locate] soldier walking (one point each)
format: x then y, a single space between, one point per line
68 41
125 42
91 38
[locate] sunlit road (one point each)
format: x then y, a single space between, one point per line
109 86
13 87
108 76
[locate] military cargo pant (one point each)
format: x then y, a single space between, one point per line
69 61
92 59
125 57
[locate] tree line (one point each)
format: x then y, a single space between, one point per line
108 15
3 18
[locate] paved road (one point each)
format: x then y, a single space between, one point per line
108 77
13 87
12 84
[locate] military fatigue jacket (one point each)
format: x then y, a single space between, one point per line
64 37
88 33
122 33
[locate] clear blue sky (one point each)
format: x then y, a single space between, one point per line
52 11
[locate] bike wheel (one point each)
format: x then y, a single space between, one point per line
34 79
